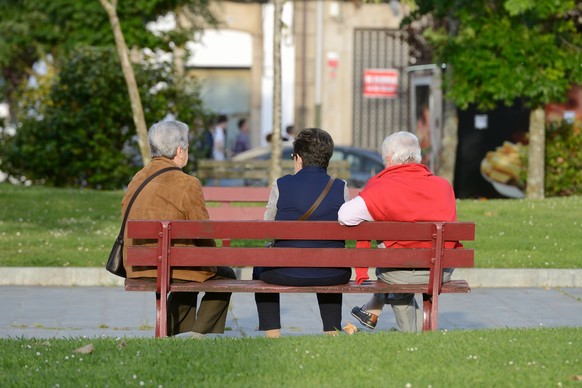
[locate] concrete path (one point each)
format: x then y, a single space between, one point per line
62 312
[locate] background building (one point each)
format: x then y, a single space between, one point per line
345 68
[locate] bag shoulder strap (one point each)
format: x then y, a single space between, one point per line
318 200
145 182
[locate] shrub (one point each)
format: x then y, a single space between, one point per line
563 159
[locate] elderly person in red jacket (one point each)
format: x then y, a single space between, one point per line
404 191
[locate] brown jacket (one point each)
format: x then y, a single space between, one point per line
172 195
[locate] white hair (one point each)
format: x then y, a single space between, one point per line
402 148
166 136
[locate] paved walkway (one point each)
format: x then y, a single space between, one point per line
47 312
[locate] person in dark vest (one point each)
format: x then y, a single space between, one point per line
290 198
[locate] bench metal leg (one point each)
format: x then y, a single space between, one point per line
430 310
161 317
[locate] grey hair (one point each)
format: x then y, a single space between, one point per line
166 136
402 147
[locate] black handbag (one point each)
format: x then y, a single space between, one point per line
115 260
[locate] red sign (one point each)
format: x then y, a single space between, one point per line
380 83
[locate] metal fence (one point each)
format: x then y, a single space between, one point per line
376 117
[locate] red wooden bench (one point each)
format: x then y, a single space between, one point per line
165 257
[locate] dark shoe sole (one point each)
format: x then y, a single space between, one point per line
364 322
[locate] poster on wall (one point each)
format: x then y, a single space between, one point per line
380 83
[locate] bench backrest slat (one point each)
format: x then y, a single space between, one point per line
460 231
420 231
203 256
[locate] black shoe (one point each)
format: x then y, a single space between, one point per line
367 319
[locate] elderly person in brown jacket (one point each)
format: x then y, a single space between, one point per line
175 195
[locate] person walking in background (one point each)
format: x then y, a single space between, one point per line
242 141
290 199
219 138
207 144
404 191
202 139
175 195
289 133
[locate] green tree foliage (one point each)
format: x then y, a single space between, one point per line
73 135
502 50
32 29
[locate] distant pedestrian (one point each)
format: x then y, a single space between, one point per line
205 142
219 138
242 141
289 133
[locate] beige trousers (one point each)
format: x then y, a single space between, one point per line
408 315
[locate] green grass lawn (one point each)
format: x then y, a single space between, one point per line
41 226
460 358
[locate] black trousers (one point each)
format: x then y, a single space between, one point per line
269 307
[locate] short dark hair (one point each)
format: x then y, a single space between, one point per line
241 122
315 146
221 119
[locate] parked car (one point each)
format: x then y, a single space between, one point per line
364 163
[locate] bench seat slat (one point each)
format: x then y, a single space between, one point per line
454 286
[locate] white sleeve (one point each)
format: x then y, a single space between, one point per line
271 210
354 212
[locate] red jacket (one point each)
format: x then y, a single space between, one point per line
410 192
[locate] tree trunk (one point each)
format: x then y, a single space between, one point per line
134 97
179 52
448 154
275 171
536 155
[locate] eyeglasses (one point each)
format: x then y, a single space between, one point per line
294 155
